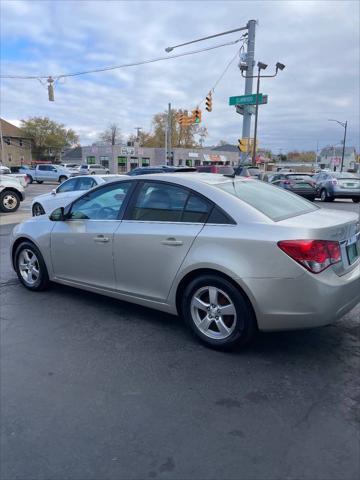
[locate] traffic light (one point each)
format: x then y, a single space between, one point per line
243 144
196 115
208 102
180 119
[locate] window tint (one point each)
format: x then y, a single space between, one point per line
85 183
275 203
85 167
103 204
196 210
159 203
42 167
68 186
219 217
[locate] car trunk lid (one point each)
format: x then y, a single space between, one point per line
326 224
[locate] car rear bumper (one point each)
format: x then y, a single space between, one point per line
306 301
347 194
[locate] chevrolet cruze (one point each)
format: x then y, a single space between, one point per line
230 255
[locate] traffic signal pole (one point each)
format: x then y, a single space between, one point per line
250 55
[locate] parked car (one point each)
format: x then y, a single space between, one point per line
248 171
299 183
68 191
47 172
222 169
23 179
230 255
159 169
331 185
94 169
11 193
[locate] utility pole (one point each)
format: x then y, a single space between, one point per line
250 62
169 134
343 150
138 130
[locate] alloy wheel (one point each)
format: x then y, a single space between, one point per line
38 210
29 267
213 312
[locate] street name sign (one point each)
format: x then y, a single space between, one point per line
247 99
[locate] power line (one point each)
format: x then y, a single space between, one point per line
116 67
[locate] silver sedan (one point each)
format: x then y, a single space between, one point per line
230 256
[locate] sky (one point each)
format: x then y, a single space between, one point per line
318 41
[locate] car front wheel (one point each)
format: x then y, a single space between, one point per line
356 200
30 267
218 313
62 178
9 201
37 210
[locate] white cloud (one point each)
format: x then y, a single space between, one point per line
318 41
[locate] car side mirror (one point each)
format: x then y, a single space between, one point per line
53 191
58 215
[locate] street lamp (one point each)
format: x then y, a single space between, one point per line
261 66
344 125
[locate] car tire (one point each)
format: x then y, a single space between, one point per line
39 181
30 179
30 267
9 201
356 200
37 210
325 197
312 199
217 330
62 178
92 173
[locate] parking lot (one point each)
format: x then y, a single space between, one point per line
94 388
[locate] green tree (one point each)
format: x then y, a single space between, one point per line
48 134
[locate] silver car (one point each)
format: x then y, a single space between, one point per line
229 255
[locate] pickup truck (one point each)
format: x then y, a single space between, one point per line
11 194
47 173
22 178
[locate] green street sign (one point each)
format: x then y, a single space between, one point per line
246 99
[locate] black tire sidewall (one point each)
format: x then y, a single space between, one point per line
64 177
2 206
321 195
43 279
30 179
244 330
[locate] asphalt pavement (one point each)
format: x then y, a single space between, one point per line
94 388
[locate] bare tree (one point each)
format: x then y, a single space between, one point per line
112 134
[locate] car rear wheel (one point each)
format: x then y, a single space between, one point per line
62 178
325 197
37 210
356 200
92 173
30 179
9 201
30 267
218 313
39 181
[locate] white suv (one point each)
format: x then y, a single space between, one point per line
94 169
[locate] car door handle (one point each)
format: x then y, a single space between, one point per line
172 242
101 239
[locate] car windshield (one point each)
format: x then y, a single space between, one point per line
84 166
299 177
275 203
344 175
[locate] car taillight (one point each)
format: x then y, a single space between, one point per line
314 255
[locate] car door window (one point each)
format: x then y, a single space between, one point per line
67 186
102 204
159 202
196 210
85 183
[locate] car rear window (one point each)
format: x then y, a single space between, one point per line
274 202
